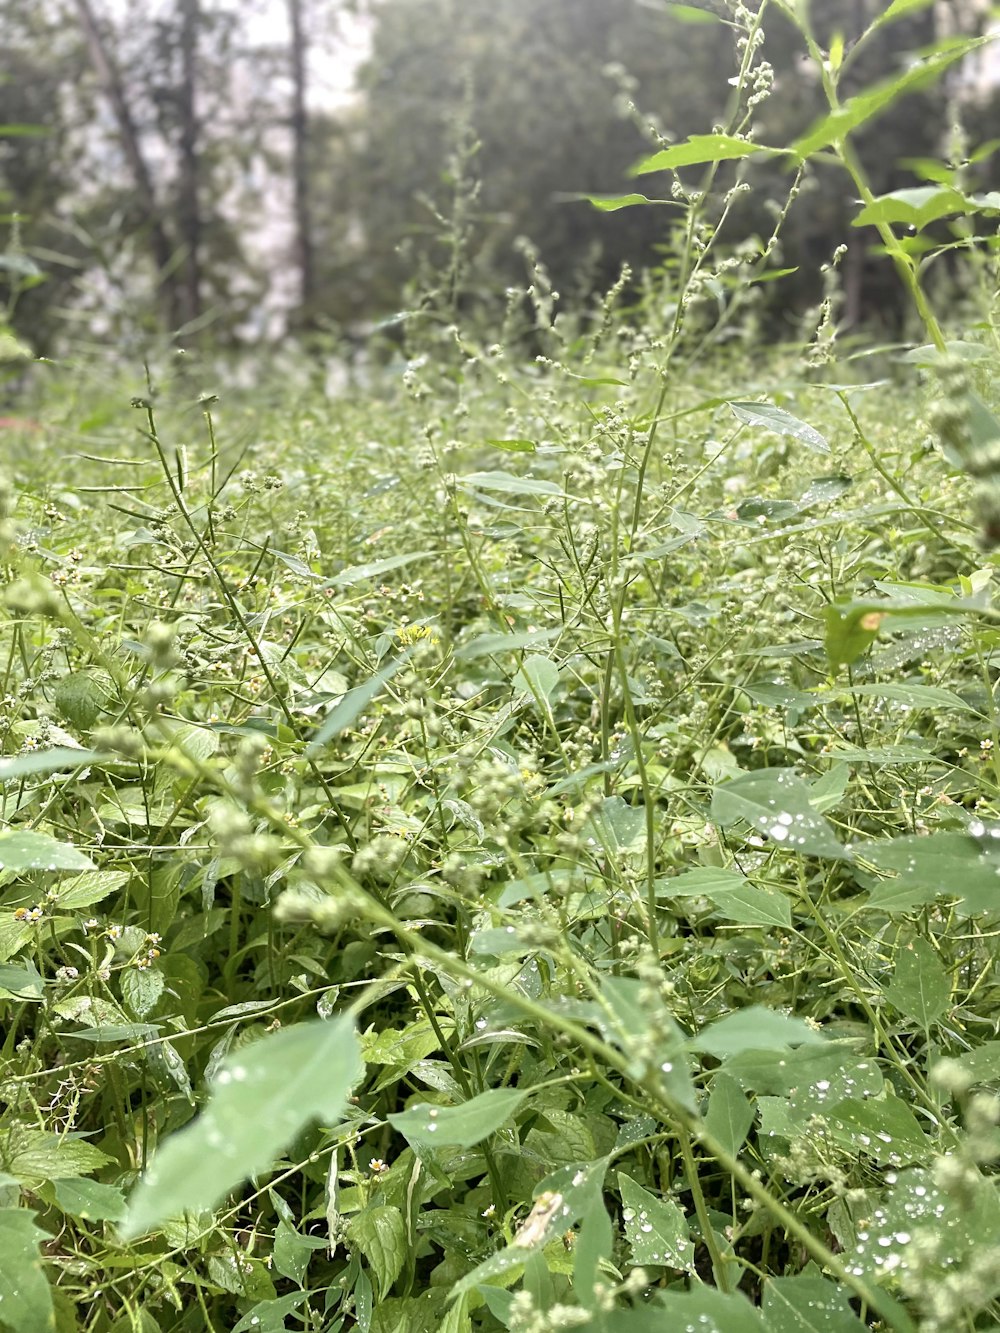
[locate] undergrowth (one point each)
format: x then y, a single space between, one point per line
518 847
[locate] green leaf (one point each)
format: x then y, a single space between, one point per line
380 1234
25 1294
361 573
885 1130
617 826
921 987
355 702
865 106
263 1096
699 148
514 446
487 645
912 696
705 1309
37 851
629 1030
952 865
729 1115
141 989
850 631
656 1229
754 1029
808 1305
511 484
22 983
537 677
752 906
780 422
593 1248
76 891
458 1126
776 802
57 760
270 1316
898 9
916 208
90 1200
611 203
35 1155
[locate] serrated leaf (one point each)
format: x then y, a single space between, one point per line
263 1096
25 1294
141 989
808 1305
780 422
754 1029
920 987
458 1126
35 1155
76 891
656 1229
380 1234
26 850
729 1115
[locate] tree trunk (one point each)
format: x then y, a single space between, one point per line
114 89
302 203
188 210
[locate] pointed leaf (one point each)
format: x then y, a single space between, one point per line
808 1305
25 1295
355 702
699 148
263 1096
26 850
754 1029
780 422
729 1115
458 1126
921 987
656 1229
776 802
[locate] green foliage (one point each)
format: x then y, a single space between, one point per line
435 896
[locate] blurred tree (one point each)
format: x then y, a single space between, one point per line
39 60
545 86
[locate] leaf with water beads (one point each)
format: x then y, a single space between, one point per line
806 1304
965 866
656 1229
263 1096
458 1126
25 1294
704 1310
776 802
27 850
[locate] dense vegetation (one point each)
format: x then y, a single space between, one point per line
515 846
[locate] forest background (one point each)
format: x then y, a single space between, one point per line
203 169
